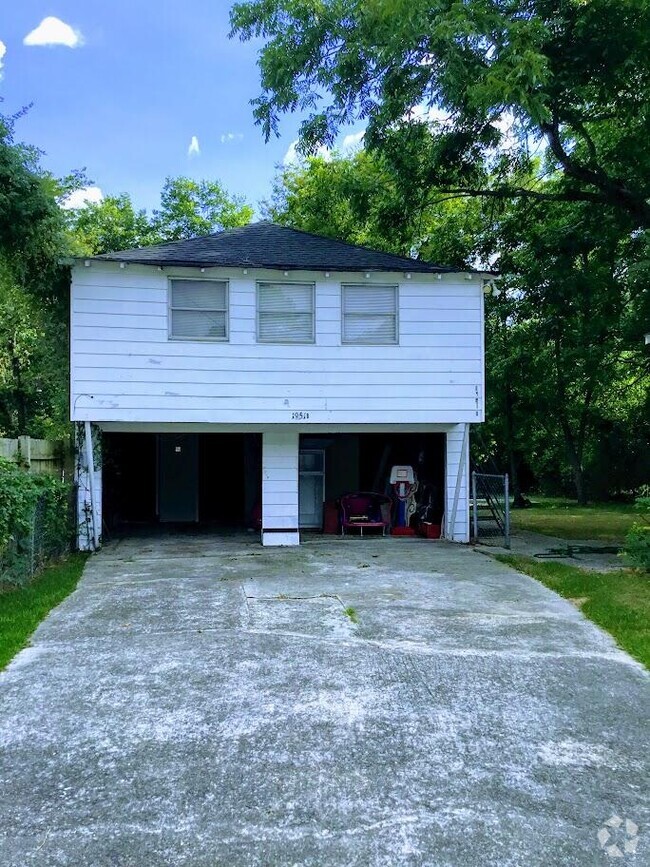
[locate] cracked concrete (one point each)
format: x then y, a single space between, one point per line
203 702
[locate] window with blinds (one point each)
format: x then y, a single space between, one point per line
285 312
369 314
198 309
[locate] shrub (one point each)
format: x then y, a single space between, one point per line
637 541
35 521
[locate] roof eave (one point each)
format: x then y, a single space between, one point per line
415 268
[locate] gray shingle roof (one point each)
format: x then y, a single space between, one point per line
267 245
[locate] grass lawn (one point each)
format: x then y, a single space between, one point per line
23 608
606 522
617 601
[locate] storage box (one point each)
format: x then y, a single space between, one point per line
429 531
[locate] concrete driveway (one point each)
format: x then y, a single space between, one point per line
208 703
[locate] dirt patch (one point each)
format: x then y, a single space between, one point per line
579 601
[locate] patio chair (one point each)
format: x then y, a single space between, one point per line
365 509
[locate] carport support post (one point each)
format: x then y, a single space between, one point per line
280 513
457 479
92 488
474 506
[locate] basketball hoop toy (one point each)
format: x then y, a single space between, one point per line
404 484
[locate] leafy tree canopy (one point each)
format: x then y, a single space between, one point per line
188 209
191 208
32 227
112 224
360 199
470 84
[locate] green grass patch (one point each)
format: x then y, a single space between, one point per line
23 608
618 601
351 613
604 522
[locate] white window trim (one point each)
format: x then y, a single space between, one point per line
395 287
170 308
312 340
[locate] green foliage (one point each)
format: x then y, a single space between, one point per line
23 608
188 209
32 227
452 87
617 601
33 363
568 376
637 541
20 492
359 199
33 293
637 546
112 224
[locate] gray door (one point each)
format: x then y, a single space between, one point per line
178 477
312 487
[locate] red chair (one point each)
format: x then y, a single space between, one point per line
365 510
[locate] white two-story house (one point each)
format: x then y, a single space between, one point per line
250 377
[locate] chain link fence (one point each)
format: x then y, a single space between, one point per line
490 507
45 537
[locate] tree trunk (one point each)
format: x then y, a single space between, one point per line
513 457
576 466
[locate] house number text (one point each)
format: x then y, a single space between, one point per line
299 416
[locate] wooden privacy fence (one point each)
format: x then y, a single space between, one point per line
38 456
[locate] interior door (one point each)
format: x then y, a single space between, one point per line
311 488
178 477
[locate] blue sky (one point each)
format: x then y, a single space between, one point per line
126 102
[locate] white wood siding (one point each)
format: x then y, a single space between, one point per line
457 457
280 476
125 369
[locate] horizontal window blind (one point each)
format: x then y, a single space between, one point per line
369 314
285 312
199 309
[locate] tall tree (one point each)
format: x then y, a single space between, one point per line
461 82
112 224
190 208
561 321
360 199
33 293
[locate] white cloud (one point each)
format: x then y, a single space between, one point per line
82 197
3 51
53 31
231 136
428 114
349 144
194 150
352 141
293 158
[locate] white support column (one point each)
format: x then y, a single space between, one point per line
457 484
280 488
89 495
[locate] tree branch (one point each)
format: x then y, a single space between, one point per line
613 192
